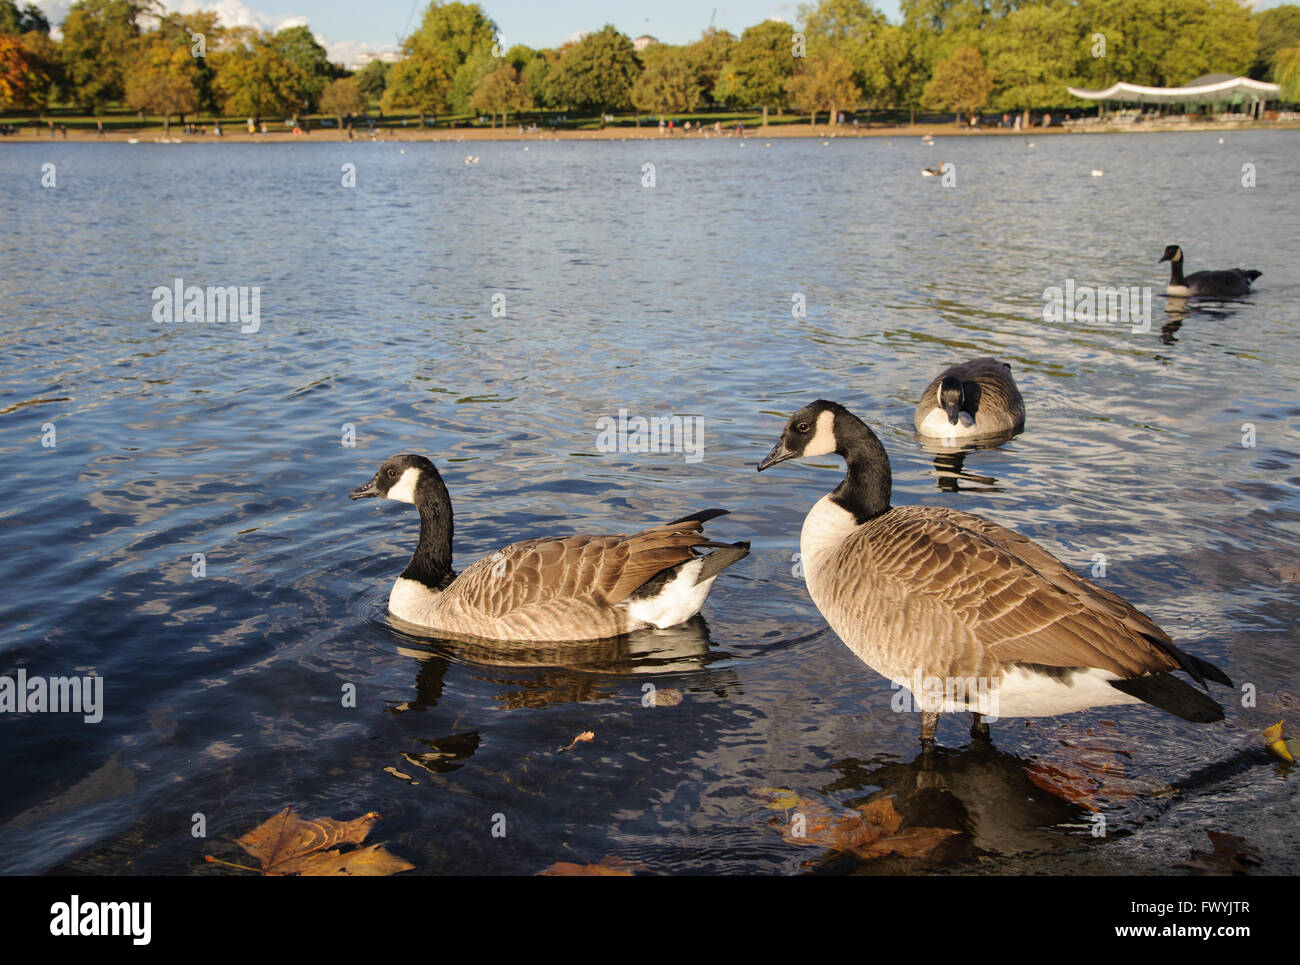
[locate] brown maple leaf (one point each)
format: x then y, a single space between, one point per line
871 830
1231 856
288 845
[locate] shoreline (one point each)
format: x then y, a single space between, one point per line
240 135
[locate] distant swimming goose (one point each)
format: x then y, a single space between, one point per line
567 588
933 172
923 593
975 398
1231 281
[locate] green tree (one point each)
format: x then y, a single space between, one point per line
1278 29
761 63
854 29
708 57
15 22
1034 53
1286 71
824 80
597 73
420 81
537 75
373 79
501 91
99 42
669 83
959 84
343 98
452 32
469 75
298 47
254 79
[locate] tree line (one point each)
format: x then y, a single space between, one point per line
946 55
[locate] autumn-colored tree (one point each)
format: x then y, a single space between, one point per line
163 78
597 73
30 70
960 84
669 83
343 98
760 64
824 80
501 91
15 73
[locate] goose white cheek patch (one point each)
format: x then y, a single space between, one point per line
404 490
823 440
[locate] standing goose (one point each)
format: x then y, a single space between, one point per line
1231 281
567 588
976 616
975 398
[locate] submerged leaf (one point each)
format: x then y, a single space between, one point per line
607 867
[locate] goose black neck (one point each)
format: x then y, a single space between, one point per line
867 485
431 562
1176 271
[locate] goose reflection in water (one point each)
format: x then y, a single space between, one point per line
1180 308
983 796
557 673
950 473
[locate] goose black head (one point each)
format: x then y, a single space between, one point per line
1172 253
397 478
819 429
951 395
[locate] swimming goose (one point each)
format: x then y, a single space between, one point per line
933 172
975 398
977 617
568 588
1231 281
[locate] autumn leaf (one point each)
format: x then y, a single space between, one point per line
871 830
607 867
288 845
1279 745
586 735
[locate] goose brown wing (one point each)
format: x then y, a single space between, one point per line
594 571
1002 598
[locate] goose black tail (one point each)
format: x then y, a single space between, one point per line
1198 669
703 516
1169 693
723 555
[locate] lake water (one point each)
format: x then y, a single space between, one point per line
224 693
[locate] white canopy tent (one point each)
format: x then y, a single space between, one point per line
1209 89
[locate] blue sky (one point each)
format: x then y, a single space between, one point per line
347 27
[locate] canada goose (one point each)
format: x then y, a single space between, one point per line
1231 281
568 588
933 172
975 398
926 595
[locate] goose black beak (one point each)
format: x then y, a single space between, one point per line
361 492
779 453
1163 258
953 412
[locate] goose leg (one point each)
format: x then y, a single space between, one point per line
979 730
929 721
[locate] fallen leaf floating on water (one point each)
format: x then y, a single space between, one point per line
871 830
288 845
1231 856
586 735
607 867
1089 767
1283 748
667 697
780 798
